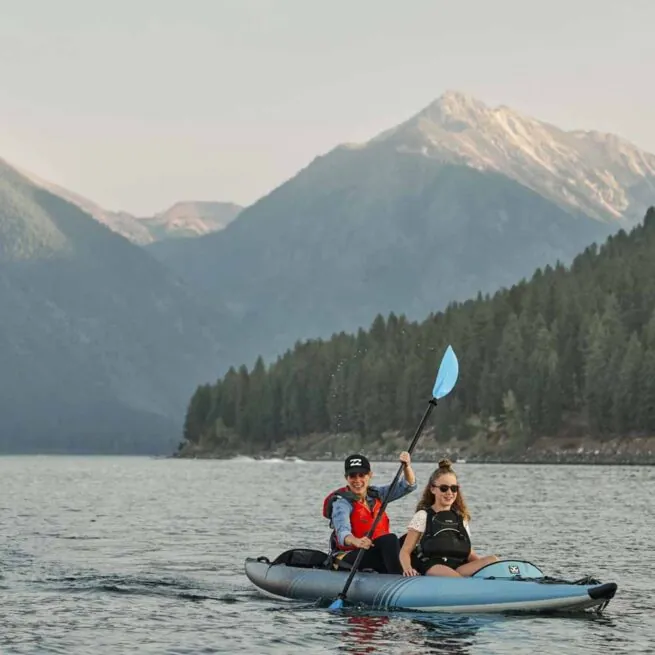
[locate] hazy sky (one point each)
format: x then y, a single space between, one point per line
139 103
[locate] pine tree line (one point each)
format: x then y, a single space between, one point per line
571 347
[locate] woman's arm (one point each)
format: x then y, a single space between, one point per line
406 460
402 489
472 555
405 485
342 526
406 552
341 519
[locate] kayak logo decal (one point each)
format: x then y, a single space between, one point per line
514 569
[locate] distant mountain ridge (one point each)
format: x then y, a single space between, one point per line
184 219
459 199
190 219
100 345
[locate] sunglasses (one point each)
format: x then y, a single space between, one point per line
443 488
357 475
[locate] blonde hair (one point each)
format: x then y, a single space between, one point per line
444 467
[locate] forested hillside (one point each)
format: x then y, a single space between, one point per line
571 350
100 345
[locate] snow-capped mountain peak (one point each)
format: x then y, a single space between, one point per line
599 174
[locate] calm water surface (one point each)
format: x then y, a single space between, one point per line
138 555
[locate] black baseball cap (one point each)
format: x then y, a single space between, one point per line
356 464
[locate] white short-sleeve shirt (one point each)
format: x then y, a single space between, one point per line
420 519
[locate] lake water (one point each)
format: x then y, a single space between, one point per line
139 555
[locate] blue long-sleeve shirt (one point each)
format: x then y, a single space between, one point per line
341 508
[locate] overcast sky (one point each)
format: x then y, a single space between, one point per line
139 103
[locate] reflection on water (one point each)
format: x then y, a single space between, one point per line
417 633
362 633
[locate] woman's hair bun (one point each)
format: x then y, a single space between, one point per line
445 464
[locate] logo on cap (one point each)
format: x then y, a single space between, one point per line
357 463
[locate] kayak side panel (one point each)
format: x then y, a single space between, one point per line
421 593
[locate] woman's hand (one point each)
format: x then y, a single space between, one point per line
405 458
362 542
410 572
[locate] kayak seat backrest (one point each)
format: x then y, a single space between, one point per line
304 558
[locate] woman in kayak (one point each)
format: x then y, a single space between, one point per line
352 510
438 540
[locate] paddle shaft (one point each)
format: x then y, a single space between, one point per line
432 404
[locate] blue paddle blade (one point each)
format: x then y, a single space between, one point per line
447 375
336 604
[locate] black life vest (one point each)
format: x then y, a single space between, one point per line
445 540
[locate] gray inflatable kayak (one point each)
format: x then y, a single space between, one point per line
506 586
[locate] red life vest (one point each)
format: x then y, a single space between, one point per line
361 516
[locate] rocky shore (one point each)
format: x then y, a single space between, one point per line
633 450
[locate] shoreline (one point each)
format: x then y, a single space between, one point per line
581 450
510 462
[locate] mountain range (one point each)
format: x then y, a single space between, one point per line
459 199
110 321
100 345
601 175
183 219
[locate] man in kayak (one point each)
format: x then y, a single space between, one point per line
352 510
438 538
